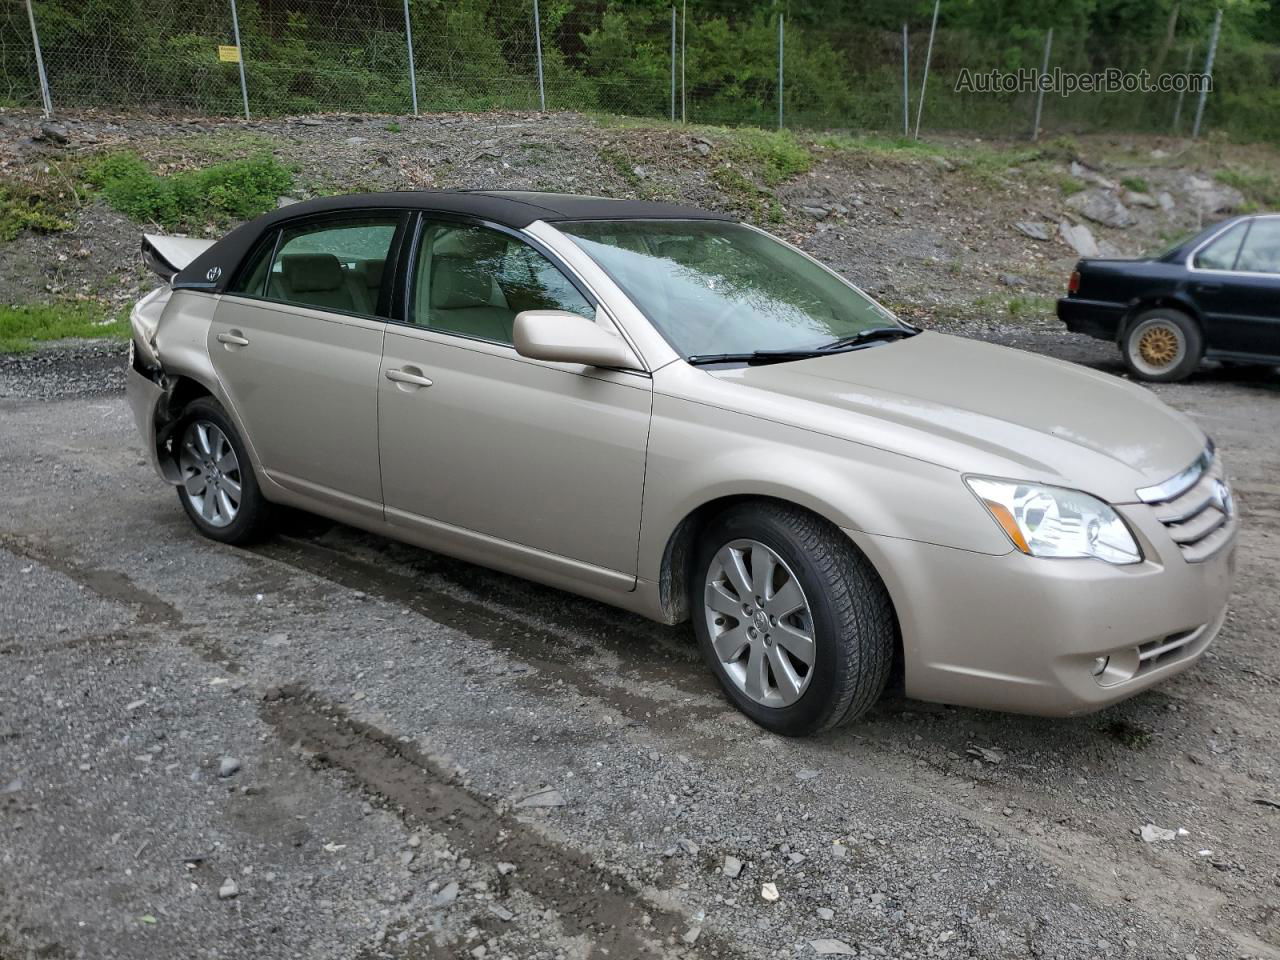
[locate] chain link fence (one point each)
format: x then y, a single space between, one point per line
707 61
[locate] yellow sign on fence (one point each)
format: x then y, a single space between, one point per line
229 54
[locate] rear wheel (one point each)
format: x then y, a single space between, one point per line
793 620
218 490
1162 345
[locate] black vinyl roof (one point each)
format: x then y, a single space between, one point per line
517 209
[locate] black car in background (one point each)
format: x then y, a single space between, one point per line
1215 296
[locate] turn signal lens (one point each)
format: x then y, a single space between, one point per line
1073 284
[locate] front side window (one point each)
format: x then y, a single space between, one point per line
333 266
1260 252
473 281
1221 252
714 287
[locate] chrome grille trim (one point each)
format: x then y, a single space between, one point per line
1179 483
1194 508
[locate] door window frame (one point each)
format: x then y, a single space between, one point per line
387 292
1248 222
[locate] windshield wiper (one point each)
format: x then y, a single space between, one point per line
753 357
874 335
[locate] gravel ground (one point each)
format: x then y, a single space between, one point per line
424 759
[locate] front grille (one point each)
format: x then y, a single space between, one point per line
1196 508
1156 653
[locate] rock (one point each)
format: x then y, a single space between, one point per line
701 147
1165 199
1079 238
807 775
769 892
550 797
1140 200
989 754
228 890
943 164
54 132
826 913
692 934
732 867
446 896
272 693
280 639
1211 197
640 171
1267 802
501 912
832 948
838 850
311 122
1034 229
506 869
228 767
1012 280
688 846
135 705
13 786
1153 834
818 213
1081 172
356 141
1101 206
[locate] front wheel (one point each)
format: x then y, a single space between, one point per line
218 490
1162 345
792 619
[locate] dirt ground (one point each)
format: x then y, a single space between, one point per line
437 761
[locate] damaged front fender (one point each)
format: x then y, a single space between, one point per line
149 401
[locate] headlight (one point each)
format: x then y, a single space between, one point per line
1054 522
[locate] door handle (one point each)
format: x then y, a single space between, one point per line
233 338
1208 288
408 377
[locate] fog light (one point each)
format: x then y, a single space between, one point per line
1100 666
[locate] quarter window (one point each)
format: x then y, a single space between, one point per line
473 281
1261 250
1221 252
333 266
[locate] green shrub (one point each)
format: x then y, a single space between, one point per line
235 190
25 208
1136 184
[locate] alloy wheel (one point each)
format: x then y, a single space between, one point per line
760 623
1156 346
210 473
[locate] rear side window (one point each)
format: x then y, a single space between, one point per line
1221 252
339 266
1261 250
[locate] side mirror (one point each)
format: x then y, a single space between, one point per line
563 337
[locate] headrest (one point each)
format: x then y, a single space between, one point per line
310 272
373 270
459 282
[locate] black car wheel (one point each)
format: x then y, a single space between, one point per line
794 621
1162 345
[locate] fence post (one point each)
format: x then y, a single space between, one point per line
537 42
1208 72
780 47
928 55
44 79
906 85
673 63
1044 72
1177 110
413 73
235 29
684 25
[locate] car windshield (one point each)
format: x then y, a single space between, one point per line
713 287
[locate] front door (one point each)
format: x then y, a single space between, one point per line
474 437
297 345
1240 292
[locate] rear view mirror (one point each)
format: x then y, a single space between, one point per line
563 337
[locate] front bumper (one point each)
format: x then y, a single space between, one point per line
1096 318
1023 634
145 400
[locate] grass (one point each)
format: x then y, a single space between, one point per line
225 192
392 127
1262 190
25 208
22 328
1136 185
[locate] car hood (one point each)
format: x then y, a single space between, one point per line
981 408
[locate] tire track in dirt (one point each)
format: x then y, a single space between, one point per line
592 902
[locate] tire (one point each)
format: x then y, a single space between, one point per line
202 440
848 613
1162 345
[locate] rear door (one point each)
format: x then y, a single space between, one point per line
297 345
478 440
1235 280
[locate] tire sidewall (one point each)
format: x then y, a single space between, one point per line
816 702
1192 340
248 520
